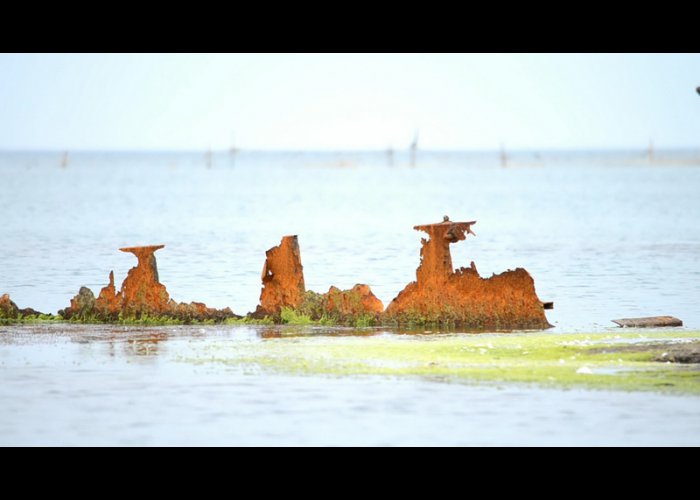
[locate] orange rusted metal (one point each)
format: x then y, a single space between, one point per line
436 261
141 294
441 294
109 302
357 301
283 286
9 310
141 291
282 277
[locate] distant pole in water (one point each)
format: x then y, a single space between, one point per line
697 90
413 149
233 151
504 156
207 157
390 156
64 160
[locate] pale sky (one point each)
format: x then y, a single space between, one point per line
347 101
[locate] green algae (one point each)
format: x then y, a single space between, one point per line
142 320
249 320
29 319
545 359
291 317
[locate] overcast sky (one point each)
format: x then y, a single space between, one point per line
346 101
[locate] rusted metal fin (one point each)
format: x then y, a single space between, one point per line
143 249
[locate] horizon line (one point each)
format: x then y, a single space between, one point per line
351 150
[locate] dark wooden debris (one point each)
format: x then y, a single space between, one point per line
649 322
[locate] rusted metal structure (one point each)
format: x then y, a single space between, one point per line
282 277
141 291
283 287
141 294
440 293
462 297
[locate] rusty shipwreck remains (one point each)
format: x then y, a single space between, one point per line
141 295
282 277
10 311
440 293
283 288
462 297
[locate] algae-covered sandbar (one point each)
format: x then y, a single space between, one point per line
165 385
636 361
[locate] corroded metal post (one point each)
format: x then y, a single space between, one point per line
282 277
436 261
141 291
141 294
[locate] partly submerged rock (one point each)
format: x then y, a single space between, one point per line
440 294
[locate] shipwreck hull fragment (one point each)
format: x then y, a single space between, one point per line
282 278
442 295
141 292
141 295
10 311
283 287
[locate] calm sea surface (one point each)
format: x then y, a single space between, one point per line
604 235
105 385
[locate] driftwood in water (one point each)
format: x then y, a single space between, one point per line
649 322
